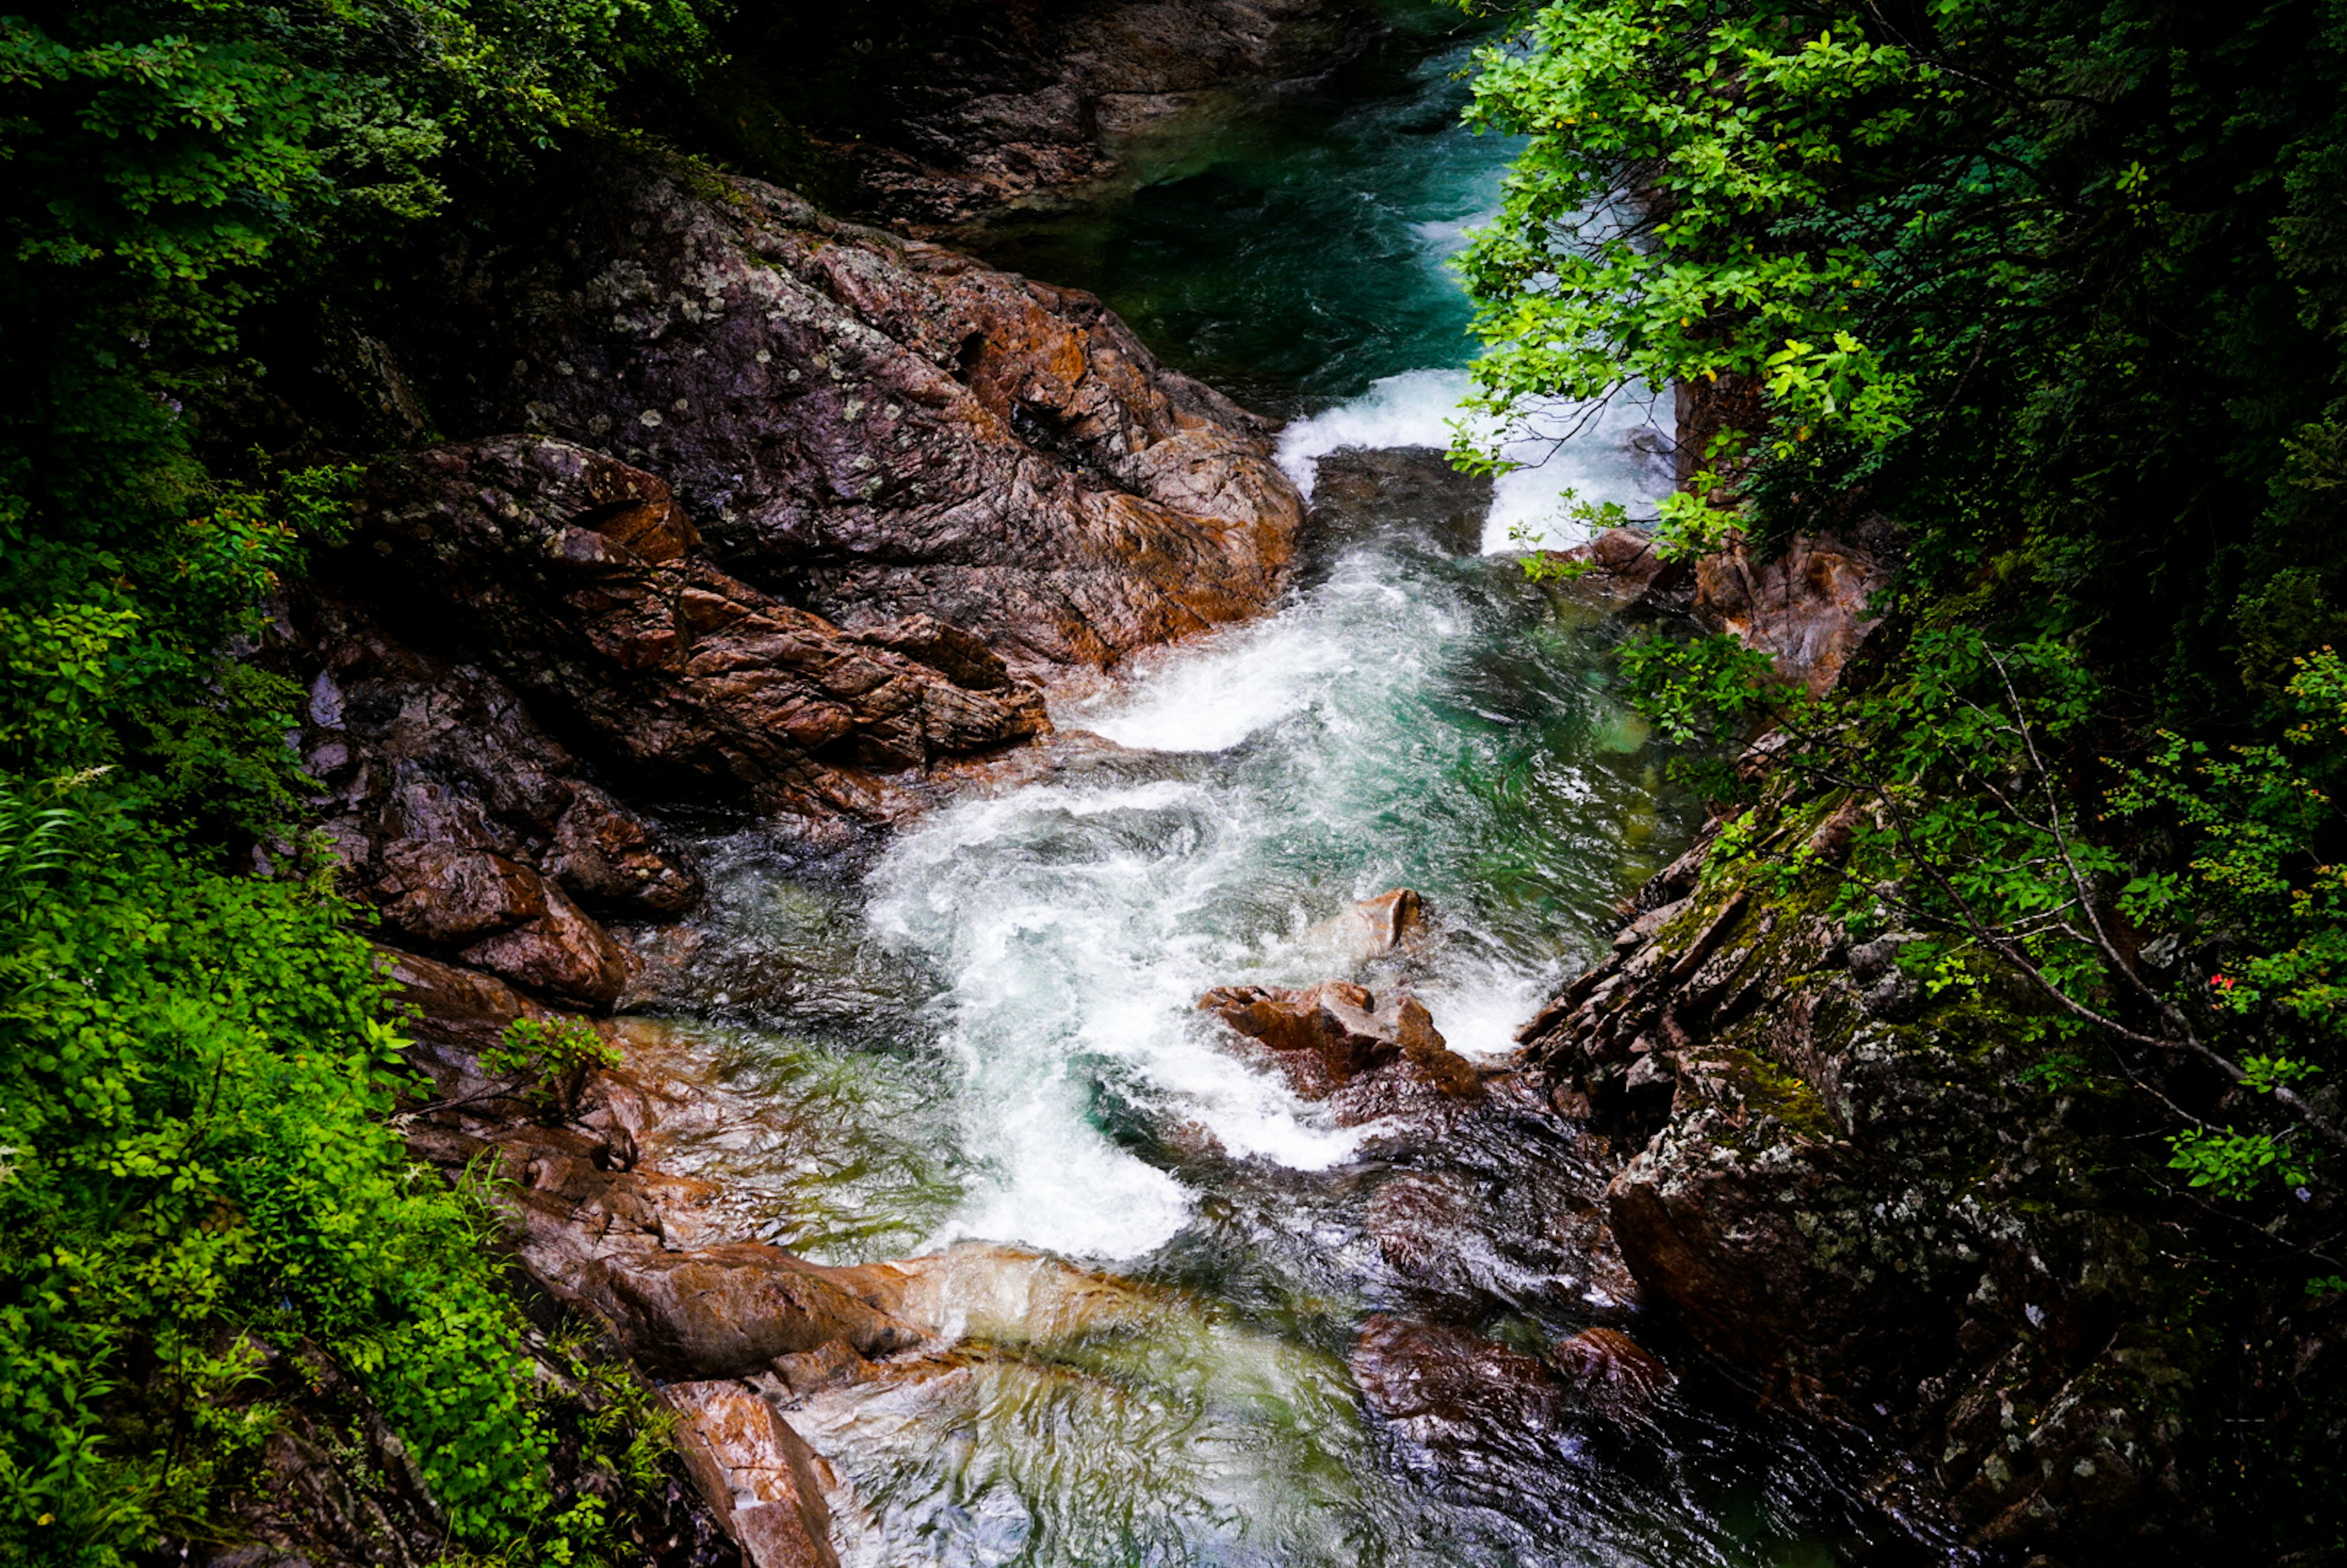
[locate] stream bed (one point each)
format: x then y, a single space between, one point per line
983 1035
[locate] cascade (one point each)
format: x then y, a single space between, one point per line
984 1038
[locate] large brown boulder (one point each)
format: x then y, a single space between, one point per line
583 583
1474 1404
1807 606
1852 1192
1362 495
867 427
742 1453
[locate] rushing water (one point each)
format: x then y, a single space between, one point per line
988 1034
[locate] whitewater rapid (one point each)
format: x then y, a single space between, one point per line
1310 760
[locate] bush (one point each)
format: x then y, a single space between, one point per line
194 1077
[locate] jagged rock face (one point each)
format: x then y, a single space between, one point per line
465 823
1855 1196
1621 570
583 583
741 1447
867 427
1807 607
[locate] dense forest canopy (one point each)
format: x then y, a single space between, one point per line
2057 285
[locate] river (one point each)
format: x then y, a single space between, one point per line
986 1030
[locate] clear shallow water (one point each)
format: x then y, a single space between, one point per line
988 1033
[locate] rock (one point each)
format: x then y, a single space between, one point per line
1431 1228
1474 1404
1360 495
1852 1199
1807 607
735 1308
1325 1036
1614 1374
767 1484
606 1234
1621 570
867 428
581 580
455 1013
1391 921
560 952
1005 1296
832 1365
471 829
950 651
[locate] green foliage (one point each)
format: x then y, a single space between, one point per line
628 1426
193 1078
1971 831
2234 1164
2056 284
175 165
550 1058
1709 689
2261 822
2058 1071
194 1071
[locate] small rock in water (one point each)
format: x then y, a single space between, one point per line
1361 494
1324 1036
833 1364
1391 920
1472 1403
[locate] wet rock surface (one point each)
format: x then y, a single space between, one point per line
473 832
740 1447
1361 494
1872 1213
643 1252
868 428
584 583
741 1331
1460 1395
1334 1039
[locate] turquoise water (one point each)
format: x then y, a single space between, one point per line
1291 250
983 1034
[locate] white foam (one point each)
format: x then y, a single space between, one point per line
1478 1014
1412 409
1566 445
1074 922
1073 954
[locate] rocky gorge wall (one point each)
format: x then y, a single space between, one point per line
1867 1196
927 117
752 510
